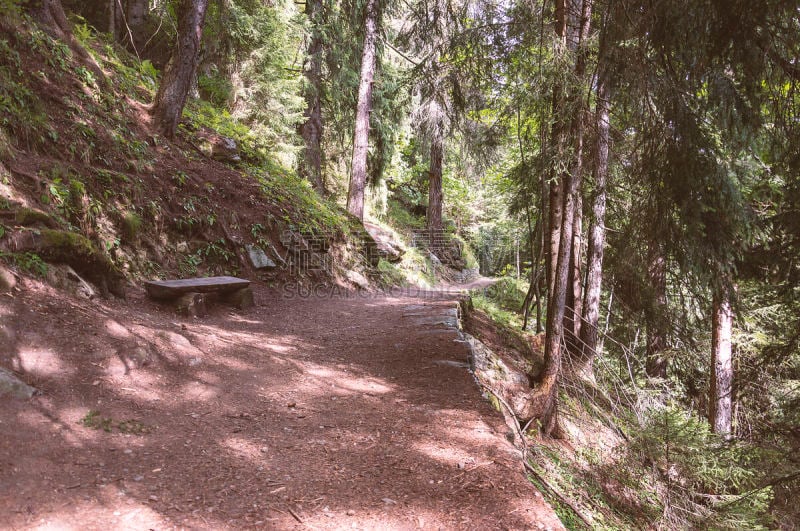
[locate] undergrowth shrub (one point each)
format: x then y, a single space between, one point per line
708 482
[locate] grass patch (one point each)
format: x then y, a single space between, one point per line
96 421
391 275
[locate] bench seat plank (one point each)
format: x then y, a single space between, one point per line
172 289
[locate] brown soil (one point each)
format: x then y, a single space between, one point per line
324 412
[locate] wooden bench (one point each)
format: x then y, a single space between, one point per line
190 295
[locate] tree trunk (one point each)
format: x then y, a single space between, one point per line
312 129
534 238
555 198
572 312
358 175
134 21
112 19
544 399
434 215
543 403
597 228
50 14
721 394
180 71
577 32
137 13
656 363
554 217
576 276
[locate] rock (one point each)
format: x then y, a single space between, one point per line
225 149
63 277
259 258
384 243
466 275
170 289
434 259
12 386
241 298
510 382
7 280
82 287
74 250
358 279
191 305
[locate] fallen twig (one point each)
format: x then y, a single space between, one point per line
295 515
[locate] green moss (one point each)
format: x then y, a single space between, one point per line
29 216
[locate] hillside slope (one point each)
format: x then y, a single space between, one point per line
78 155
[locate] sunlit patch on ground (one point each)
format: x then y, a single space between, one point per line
41 362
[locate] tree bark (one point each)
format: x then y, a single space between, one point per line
312 129
544 399
135 17
656 363
597 228
137 13
555 197
577 32
543 403
181 69
358 175
434 215
572 313
112 19
721 393
554 217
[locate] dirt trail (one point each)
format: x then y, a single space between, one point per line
335 413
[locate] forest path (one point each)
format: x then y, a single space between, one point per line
305 412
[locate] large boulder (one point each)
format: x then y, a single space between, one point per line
259 258
65 278
384 243
357 279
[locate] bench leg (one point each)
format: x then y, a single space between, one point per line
191 304
241 298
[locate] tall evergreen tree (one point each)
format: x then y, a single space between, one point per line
311 129
369 58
